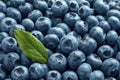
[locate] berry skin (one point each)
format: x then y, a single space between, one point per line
34 15
69 75
55 21
15 27
84 71
28 24
3 73
118 56
51 41
64 26
40 5
110 67
25 9
96 75
2 7
2 55
105 26
81 27
38 35
46 69
94 60
118 42
3 35
59 8
36 71
100 18
98 34
105 52
100 7
2 16
6 24
85 11
20 73
92 21
50 52
73 6
76 58
58 31
111 38
11 60
114 22
71 18
110 78
43 24
88 44
14 13
49 13
57 62
68 43
84 2
9 44
53 75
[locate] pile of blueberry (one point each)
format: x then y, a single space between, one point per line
82 38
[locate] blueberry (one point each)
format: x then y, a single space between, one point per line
113 12
73 5
11 60
110 78
64 26
38 35
59 8
75 59
100 18
14 13
25 9
2 55
20 73
55 21
53 75
43 24
40 5
15 27
69 75
101 7
15 3
114 22
84 71
81 27
117 6
51 41
71 18
88 45
84 2
118 56
118 42
94 60
58 31
9 44
3 35
30 1
36 71
105 26
96 75
68 43
7 79
92 21
112 4
6 23
110 67
105 52
3 74
2 16
57 62
50 52
111 38
24 60
2 7
98 34
85 11
46 69
34 15
49 13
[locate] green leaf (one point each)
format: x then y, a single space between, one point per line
31 46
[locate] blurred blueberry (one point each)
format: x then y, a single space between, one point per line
20 73
7 23
84 71
100 18
69 75
2 16
57 62
3 35
2 7
75 59
84 2
53 75
110 78
118 56
3 73
2 55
